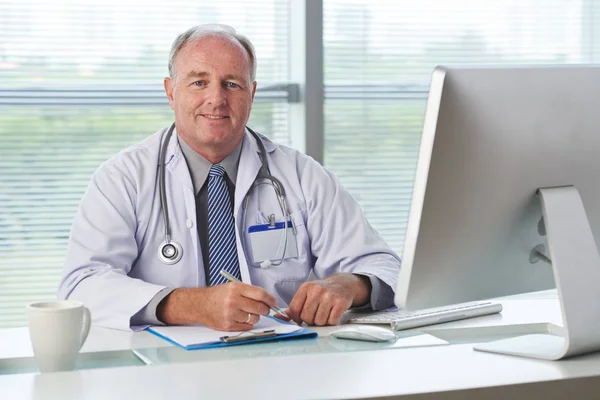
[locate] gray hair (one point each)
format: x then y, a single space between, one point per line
212 30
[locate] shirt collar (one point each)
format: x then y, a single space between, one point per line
200 167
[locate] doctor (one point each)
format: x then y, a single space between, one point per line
160 219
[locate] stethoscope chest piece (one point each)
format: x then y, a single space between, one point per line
170 252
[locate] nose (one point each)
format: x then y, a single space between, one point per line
216 96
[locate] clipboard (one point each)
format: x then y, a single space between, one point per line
252 336
194 337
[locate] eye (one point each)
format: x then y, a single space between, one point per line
199 83
232 85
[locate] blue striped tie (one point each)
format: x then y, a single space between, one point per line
222 253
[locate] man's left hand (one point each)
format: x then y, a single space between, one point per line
324 301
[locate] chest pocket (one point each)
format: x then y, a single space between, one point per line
295 269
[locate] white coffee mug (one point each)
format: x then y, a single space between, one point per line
57 330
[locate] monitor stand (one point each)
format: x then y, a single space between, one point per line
576 266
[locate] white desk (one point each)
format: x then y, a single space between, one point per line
286 371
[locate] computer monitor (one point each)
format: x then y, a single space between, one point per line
491 138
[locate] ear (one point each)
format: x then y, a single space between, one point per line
253 90
169 90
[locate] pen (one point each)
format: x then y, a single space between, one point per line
232 278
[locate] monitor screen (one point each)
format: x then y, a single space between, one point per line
491 138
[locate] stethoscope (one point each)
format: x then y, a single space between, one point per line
170 251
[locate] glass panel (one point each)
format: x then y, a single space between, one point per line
80 81
379 56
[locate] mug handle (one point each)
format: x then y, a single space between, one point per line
87 322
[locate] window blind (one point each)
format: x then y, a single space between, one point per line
79 81
379 56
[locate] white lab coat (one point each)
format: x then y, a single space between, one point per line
112 262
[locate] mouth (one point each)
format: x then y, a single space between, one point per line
214 117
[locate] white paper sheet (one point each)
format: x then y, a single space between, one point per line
190 335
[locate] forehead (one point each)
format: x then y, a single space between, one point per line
211 55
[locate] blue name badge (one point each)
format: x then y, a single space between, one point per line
267 242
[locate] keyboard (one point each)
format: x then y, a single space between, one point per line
403 319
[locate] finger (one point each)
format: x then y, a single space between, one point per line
322 314
251 299
247 318
309 310
253 307
297 304
236 326
238 323
283 317
258 294
336 314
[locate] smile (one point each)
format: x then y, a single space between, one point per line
209 116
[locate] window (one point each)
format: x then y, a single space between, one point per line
378 59
79 81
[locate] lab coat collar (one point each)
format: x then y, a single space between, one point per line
269 145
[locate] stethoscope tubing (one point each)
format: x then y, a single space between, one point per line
170 251
161 182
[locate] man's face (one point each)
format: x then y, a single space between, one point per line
211 95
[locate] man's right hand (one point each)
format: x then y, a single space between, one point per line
228 307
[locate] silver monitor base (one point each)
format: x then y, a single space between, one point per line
576 266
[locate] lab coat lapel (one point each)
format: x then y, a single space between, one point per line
247 171
178 172
176 164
